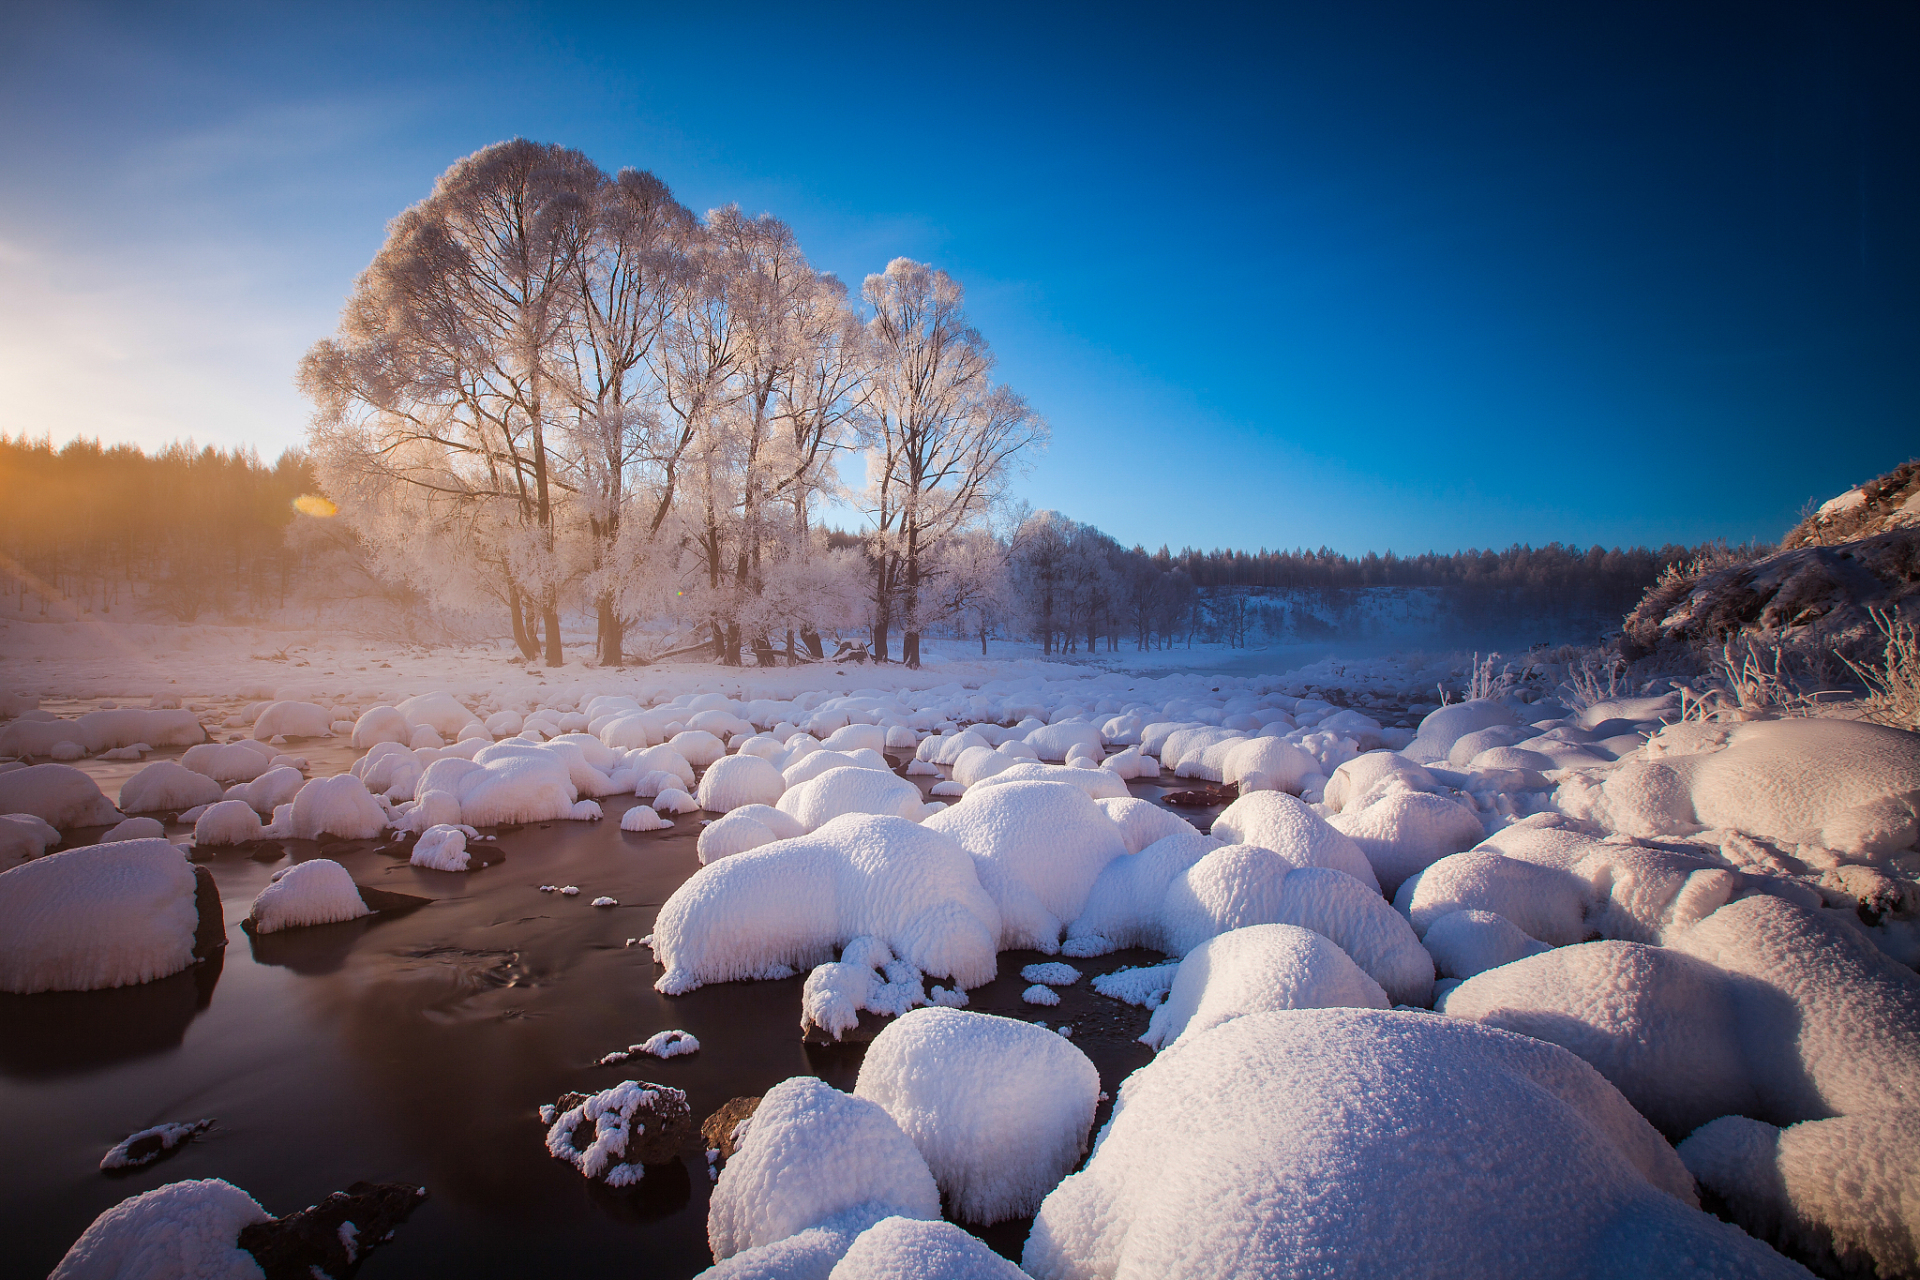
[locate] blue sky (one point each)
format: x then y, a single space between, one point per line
1373 276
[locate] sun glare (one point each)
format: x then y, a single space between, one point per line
312 504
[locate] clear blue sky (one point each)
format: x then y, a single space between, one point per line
1411 276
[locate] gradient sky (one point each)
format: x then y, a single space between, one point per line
1410 276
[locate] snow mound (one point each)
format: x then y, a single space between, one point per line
1039 847
1284 766
911 1249
1315 1141
1464 944
24 836
58 794
674 800
1040 994
643 818
999 1108
697 747
1142 822
339 806
1295 832
440 711
229 761
786 906
226 823
101 731
1099 784
747 827
104 915
1352 783
270 790
507 782
1446 726
1241 885
1123 908
166 786
1407 831
1545 901
735 781
318 891
867 976
1054 974
441 848
851 790
1054 741
380 724
134 829
807 1155
293 720
180 1230
1143 985
1262 967
138 1150
1843 1193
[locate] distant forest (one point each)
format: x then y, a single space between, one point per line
192 533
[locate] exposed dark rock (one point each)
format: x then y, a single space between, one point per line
211 933
1202 797
718 1128
333 1237
659 1124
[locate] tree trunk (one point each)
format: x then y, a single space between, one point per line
811 638
529 649
910 649
612 635
733 645
552 618
880 640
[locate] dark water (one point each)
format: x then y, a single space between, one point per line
416 1047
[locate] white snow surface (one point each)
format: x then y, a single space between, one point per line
227 823
1099 784
1142 822
851 790
22 835
510 781
166 786
1404 832
293 720
1295 832
58 794
787 906
744 828
97 731
809 1154
1143 985
1309 1141
180 1231
1123 908
999 1108
104 915
318 891
1261 967
441 848
1466 943
735 781
912 1249
643 818
339 806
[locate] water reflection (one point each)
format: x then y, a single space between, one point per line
57 1033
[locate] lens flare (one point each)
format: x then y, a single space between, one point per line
312 504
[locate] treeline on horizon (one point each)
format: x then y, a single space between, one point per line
186 530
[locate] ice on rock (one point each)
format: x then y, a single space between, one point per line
293 720
230 761
339 806
585 811
1053 974
735 781
22 835
1262 967
999 1109
643 818
140 1149
175 1232
851 790
1040 994
270 790
1240 885
1404 832
318 891
1844 1193
441 848
911 1249
1123 908
788 905
1466 943
1098 784
1143 985
135 829
1295 832
1039 847
810 1157
165 786
1297 1142
227 823
104 915
619 1118
747 827
1142 822
506 782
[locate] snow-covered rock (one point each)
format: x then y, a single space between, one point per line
999 1108
746 827
1054 741
788 906
1124 906
1297 1142
1405 832
643 818
1142 822
441 848
1099 784
180 1230
612 1135
1261 967
739 780
698 747
509 781
337 806
1283 824
849 790
104 915
1446 726
270 790
899 1248
22 835
318 891
58 794
293 720
229 761
226 823
439 711
1284 766
165 786
1470 942
135 829
100 731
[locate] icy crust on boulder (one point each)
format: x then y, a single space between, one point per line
851 790
318 891
1764 1009
1240 885
1261 967
1142 822
504 783
1843 1193
1123 908
912 1249
1038 847
730 783
58 794
807 1156
1320 1141
105 915
789 905
1000 1109
180 1231
1295 832
1824 787
102 731
167 786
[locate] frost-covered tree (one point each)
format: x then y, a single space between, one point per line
941 438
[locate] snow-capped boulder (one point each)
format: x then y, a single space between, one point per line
1124 906
698 747
739 780
661 759
22 835
999 1108
58 794
441 712
134 829
293 720
1142 822
808 1155
442 847
849 790
1240 885
1280 822
385 724
611 1136
165 786
318 891
1283 766
104 915
100 731
1261 967
1054 741
1352 784
1466 943
790 905
182 1229
1099 784
229 761
976 763
855 737
270 790
1446 726
747 827
510 781
228 822
1544 901
337 806
1405 832
1273 1145
899 1248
